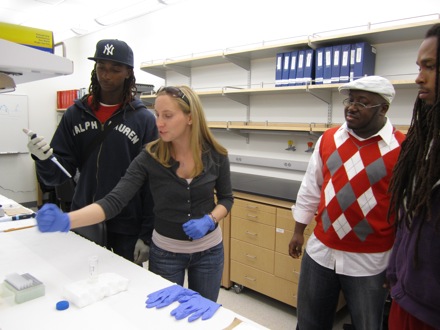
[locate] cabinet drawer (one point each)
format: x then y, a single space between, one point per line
286 267
254 215
285 219
253 232
251 278
285 291
252 255
264 283
282 240
253 206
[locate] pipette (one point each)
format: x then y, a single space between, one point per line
17 217
33 135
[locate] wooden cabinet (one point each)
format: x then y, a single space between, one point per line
261 229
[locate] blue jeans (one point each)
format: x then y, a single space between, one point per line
318 293
204 268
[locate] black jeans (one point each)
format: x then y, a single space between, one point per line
121 244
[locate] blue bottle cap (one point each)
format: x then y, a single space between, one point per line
62 305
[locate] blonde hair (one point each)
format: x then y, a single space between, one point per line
201 135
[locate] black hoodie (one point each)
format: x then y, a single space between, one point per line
106 163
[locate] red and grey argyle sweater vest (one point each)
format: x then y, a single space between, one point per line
352 214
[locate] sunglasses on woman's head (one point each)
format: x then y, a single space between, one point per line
175 92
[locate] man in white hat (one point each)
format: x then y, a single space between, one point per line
345 190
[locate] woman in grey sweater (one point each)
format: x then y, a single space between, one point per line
189 176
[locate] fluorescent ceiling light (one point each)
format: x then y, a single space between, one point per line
79 31
51 2
130 12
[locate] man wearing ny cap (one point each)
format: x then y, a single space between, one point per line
345 189
99 136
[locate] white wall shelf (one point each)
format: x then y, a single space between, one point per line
251 90
242 95
231 92
242 58
26 64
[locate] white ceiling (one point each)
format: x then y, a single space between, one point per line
70 18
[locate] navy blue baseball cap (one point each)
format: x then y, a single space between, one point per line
113 50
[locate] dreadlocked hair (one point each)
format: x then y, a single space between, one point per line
418 167
129 90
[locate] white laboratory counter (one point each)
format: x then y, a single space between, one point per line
9 207
58 259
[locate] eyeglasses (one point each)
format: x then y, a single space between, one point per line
175 92
359 105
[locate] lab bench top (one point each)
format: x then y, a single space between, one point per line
266 186
59 259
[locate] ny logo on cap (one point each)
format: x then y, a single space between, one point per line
108 49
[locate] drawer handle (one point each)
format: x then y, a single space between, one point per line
252 216
252 234
251 256
250 278
252 207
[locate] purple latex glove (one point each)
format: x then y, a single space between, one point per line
197 228
195 307
50 218
168 295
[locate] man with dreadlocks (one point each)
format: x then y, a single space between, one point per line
99 136
414 268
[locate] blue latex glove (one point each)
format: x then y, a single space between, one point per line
167 296
197 228
50 218
195 307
